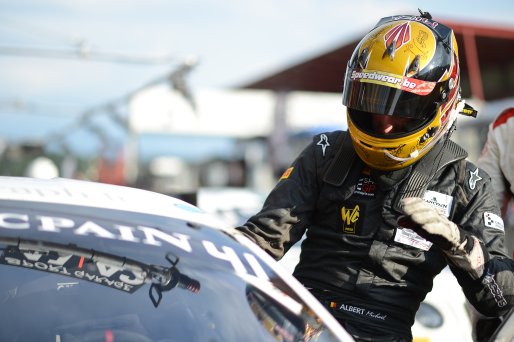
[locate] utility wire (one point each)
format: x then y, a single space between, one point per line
36 108
81 49
85 53
39 31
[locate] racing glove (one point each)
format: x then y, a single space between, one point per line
461 248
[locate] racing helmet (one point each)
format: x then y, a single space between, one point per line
402 90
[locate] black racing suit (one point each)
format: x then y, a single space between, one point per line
369 272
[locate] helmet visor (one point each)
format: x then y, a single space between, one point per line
382 93
385 126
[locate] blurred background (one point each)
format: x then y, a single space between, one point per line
190 97
208 100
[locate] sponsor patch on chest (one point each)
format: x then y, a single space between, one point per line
442 202
411 238
365 187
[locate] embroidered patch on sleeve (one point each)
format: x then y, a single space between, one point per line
493 221
473 179
287 173
323 142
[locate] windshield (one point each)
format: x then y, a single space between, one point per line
77 289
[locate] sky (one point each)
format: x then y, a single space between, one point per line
229 42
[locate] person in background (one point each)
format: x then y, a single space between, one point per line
497 159
386 205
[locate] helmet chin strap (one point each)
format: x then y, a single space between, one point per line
414 154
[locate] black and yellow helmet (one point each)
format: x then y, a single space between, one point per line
405 71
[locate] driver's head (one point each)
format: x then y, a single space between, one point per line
401 89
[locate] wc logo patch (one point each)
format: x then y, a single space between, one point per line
350 217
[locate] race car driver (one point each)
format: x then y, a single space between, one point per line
387 204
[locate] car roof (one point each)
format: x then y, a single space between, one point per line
99 195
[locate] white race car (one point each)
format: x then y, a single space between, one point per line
83 261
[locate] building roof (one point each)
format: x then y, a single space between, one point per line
486 55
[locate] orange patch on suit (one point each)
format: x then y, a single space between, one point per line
287 173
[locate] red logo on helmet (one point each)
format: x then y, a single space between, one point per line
400 33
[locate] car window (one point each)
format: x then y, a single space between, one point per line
75 275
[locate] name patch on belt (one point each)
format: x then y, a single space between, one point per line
358 310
